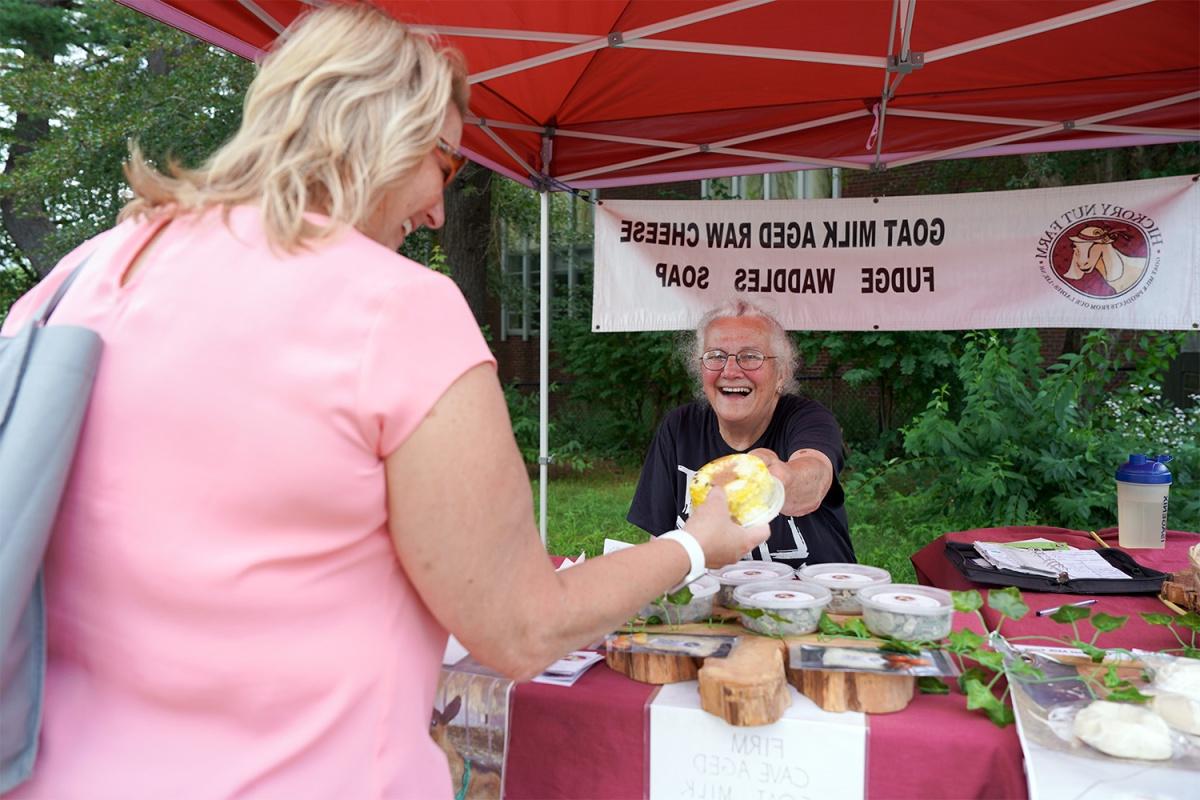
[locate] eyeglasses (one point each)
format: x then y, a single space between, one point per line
748 360
450 160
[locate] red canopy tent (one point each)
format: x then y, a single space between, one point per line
595 93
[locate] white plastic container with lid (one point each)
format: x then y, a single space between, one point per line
907 611
788 607
844 580
700 606
731 576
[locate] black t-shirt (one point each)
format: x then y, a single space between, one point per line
689 438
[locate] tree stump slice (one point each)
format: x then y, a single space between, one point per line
1183 589
653 667
748 687
869 692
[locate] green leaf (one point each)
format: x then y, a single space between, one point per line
1157 619
1106 622
828 626
1024 669
1127 694
1190 620
1191 652
1111 678
1071 614
967 601
1001 715
901 646
972 674
681 597
1095 653
990 659
752 613
978 695
1008 601
963 641
855 628
928 684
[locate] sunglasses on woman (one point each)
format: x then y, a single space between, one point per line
449 159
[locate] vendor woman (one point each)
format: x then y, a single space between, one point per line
746 364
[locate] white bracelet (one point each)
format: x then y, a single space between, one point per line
694 551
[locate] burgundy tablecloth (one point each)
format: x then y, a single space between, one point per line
582 741
933 568
590 741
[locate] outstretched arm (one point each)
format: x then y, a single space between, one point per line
806 476
461 516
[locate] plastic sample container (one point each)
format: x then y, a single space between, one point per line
788 607
732 576
704 591
844 582
907 611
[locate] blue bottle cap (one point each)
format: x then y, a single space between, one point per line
1142 468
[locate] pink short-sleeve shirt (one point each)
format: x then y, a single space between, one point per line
227 617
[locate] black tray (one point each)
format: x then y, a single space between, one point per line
1142 580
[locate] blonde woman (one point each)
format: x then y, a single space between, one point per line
297 471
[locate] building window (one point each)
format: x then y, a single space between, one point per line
520 266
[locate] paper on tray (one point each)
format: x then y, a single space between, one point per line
1075 564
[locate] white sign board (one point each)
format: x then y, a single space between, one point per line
1116 255
809 754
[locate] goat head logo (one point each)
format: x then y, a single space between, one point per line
1100 257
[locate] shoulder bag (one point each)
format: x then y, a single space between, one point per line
46 376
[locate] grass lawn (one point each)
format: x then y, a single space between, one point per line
584 510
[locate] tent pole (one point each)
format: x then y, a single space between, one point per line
544 365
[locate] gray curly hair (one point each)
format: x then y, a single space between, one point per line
691 345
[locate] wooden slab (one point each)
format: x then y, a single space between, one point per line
854 691
748 687
653 667
1183 589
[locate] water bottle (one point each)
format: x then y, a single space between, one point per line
1142 487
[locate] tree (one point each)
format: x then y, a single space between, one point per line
466 236
80 78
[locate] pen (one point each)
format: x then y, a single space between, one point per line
1045 612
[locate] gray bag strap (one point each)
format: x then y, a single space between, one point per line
44 315
17 349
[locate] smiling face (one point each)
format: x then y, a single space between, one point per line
417 200
743 401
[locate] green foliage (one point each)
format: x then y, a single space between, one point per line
624 383
82 81
1024 443
14 282
523 411
902 364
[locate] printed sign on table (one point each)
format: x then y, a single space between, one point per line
809 753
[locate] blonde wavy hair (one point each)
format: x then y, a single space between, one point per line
345 108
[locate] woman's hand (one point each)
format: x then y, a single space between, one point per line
722 539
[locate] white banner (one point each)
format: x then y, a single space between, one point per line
808 753
1115 255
